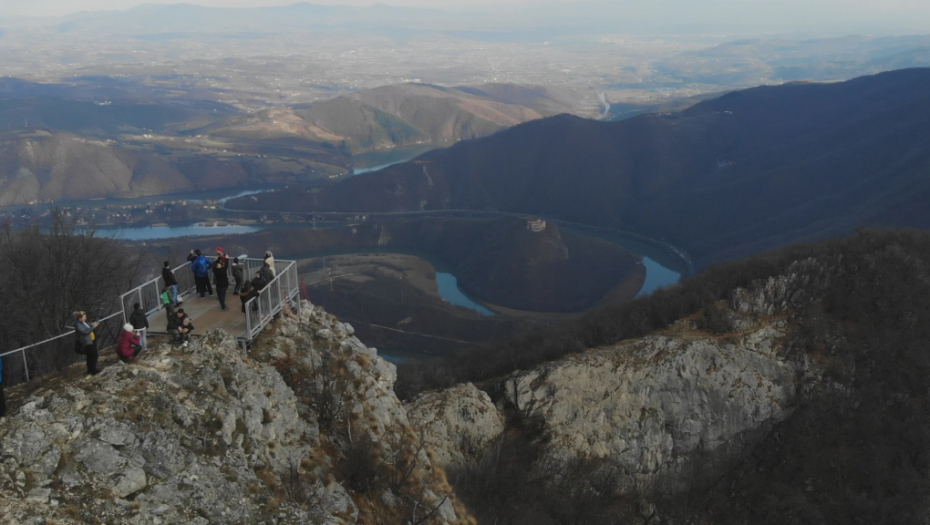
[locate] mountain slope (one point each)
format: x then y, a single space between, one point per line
404 114
751 170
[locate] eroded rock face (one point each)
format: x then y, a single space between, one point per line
648 405
208 434
458 423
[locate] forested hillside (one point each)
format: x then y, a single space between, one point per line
746 172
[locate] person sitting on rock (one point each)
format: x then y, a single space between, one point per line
183 332
175 320
129 344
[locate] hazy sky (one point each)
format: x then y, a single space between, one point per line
826 17
60 7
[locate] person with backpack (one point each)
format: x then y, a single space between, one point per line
171 283
237 271
139 321
84 332
200 265
130 344
221 279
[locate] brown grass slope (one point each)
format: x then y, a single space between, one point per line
403 114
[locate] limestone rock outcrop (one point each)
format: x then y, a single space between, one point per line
217 434
458 423
649 404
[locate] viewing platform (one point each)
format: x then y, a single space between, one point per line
205 312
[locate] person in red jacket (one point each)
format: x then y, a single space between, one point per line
129 344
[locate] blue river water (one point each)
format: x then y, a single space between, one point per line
657 276
449 290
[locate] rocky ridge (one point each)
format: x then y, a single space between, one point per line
648 408
302 428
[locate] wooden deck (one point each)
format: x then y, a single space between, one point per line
206 315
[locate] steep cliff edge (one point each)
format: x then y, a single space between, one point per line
302 428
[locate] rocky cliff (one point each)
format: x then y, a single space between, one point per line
302 428
643 416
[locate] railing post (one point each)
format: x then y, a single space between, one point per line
26 365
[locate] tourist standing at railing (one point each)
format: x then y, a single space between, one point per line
200 265
221 278
269 262
85 333
168 304
237 272
130 343
171 283
2 395
139 321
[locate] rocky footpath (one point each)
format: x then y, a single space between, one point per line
302 428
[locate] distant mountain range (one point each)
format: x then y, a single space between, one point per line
746 172
121 139
404 114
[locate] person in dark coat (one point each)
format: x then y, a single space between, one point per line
221 280
237 272
200 265
84 332
246 293
2 395
171 283
139 321
175 320
129 344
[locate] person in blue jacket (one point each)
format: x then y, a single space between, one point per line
2 397
200 265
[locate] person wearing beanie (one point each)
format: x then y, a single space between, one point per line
129 344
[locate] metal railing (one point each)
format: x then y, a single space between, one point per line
148 294
283 289
55 353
